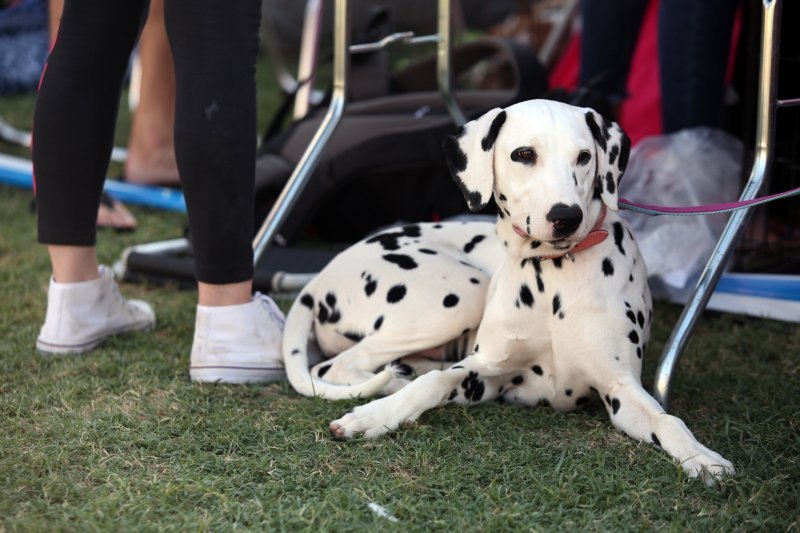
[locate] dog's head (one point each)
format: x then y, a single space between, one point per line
551 167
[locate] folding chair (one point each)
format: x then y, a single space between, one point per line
764 148
341 65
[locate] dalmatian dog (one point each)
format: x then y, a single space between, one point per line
401 302
568 312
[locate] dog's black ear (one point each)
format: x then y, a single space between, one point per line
469 153
613 148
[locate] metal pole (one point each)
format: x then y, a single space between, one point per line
765 127
307 164
444 58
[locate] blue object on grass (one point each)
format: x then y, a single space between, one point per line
18 172
778 287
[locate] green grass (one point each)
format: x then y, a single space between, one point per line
119 438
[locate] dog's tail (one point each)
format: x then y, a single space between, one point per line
296 334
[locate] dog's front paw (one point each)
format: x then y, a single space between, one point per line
371 420
708 466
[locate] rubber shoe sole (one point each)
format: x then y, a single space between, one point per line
235 374
49 348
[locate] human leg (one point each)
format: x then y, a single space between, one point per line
693 44
610 32
214 45
151 145
73 128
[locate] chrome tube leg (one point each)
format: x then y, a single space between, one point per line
305 167
765 127
444 77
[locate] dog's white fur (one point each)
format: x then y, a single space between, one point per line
411 295
554 330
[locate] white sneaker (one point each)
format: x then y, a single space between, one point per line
238 343
82 315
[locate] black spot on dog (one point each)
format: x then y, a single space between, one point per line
633 337
324 369
537 267
473 387
494 130
501 214
296 351
608 399
474 199
611 187
535 244
402 369
558 262
640 319
307 300
537 370
453 154
612 154
574 179
452 396
475 281
615 405
655 440
396 293
328 313
597 194
568 392
456 367
403 261
628 305
378 323
638 352
428 251
598 136
556 303
624 153
502 197
619 235
354 336
389 240
608 267
477 348
371 285
471 244
525 295
322 314
517 380
451 300
630 316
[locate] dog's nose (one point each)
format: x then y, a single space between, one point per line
565 219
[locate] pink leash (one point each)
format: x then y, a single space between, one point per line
655 210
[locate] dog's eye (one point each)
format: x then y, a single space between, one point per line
584 157
524 154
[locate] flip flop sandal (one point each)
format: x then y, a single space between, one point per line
113 214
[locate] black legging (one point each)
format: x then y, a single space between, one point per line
214 45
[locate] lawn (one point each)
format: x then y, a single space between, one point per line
120 439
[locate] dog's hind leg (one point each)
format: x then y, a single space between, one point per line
371 354
638 414
462 382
